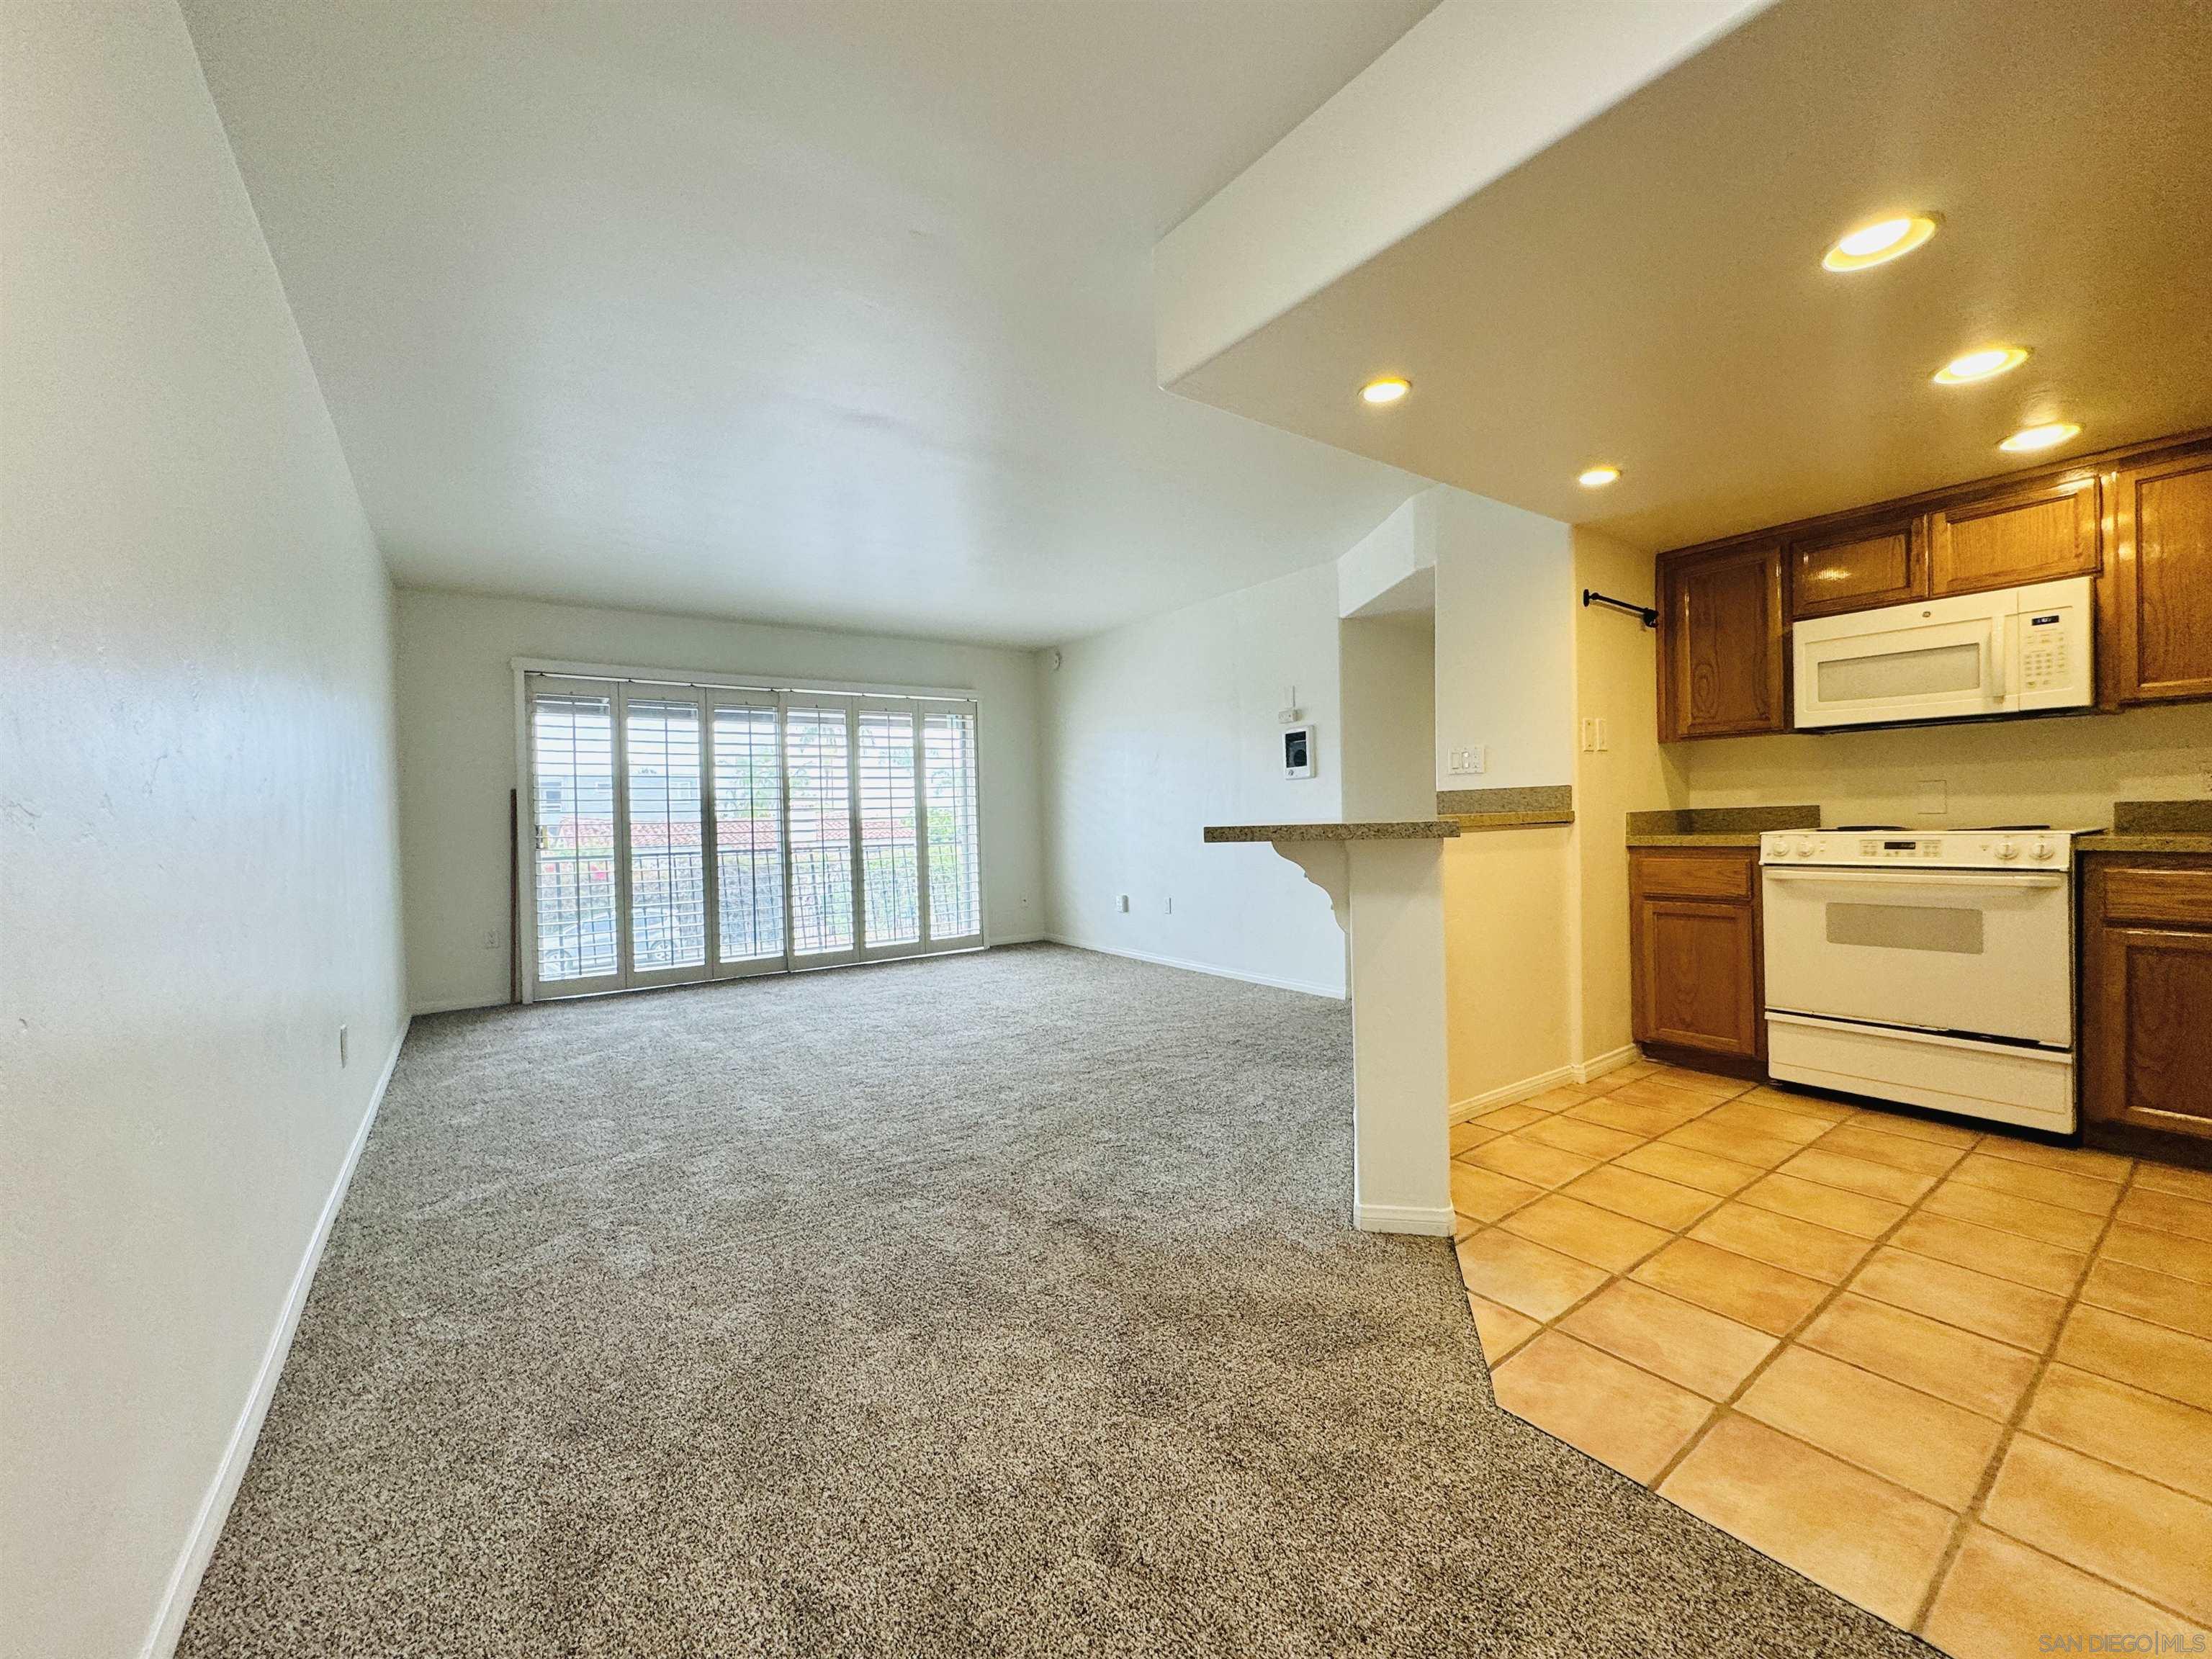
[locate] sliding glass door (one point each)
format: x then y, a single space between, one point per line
817 770
748 812
688 832
663 767
575 855
954 850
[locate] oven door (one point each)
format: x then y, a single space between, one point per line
1977 952
1941 659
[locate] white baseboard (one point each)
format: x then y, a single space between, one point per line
1506 1094
215 1507
454 1005
1426 1220
1335 993
998 939
1599 1065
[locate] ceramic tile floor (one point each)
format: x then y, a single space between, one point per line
1962 1379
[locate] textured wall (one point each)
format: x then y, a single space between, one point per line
197 871
1156 730
457 763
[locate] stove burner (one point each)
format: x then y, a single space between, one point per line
1990 829
1859 829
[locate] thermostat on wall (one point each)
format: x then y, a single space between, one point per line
1298 751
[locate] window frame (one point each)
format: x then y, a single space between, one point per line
711 690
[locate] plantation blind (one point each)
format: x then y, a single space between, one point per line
685 830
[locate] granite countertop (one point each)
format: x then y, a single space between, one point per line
2152 826
1716 826
2144 841
1507 809
1391 829
1698 838
1468 821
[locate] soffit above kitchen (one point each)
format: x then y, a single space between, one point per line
1647 291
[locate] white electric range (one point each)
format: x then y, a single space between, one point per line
1931 967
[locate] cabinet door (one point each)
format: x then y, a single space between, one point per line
1722 665
2160 580
2145 1009
1858 571
2033 535
1696 967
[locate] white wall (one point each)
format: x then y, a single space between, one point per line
198 884
1157 729
1505 662
1387 670
457 761
1616 680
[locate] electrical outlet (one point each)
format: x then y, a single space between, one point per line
491 939
1465 761
342 1046
1123 904
1604 740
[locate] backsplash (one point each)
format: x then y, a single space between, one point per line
2066 770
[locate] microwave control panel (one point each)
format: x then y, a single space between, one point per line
2043 637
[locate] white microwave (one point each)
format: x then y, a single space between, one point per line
2010 652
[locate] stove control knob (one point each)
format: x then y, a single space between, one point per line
2042 849
1804 847
2008 850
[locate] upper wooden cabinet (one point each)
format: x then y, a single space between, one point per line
1722 666
1858 569
2034 535
2158 587
2138 519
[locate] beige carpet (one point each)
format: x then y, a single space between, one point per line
1001 1304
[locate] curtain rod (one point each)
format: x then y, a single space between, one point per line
1591 596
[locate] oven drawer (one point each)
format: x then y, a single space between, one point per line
2031 1087
1696 873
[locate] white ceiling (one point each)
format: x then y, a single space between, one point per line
1647 291
825 314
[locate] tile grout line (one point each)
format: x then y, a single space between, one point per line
1672 1235
2010 1427
1974 1514
1789 1339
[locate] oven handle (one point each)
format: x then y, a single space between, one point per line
1926 877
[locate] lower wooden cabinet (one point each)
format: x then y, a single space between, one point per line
2146 992
1694 951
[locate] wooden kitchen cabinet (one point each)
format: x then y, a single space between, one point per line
2147 996
2157 586
2037 534
1722 659
1858 569
1696 978
2139 519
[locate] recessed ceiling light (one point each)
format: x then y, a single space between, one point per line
1986 364
1388 390
1879 243
1598 477
2049 435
